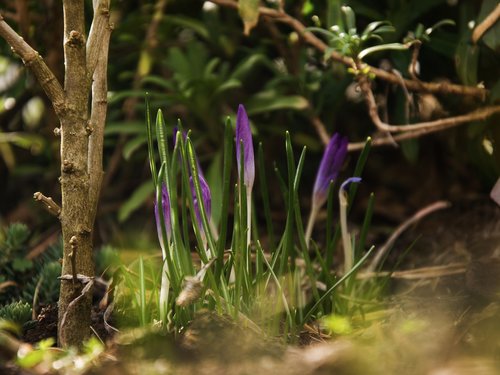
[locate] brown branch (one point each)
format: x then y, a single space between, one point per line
438 87
100 27
405 225
412 68
72 255
99 107
74 51
319 127
35 63
48 203
489 21
479 114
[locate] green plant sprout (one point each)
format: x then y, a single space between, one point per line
423 34
349 42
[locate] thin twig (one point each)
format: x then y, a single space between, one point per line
412 68
310 38
320 128
74 248
439 205
479 114
489 21
35 298
48 203
418 273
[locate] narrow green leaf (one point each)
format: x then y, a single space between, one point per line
264 191
226 186
151 153
382 47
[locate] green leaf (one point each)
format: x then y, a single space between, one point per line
132 145
190 23
214 179
130 127
242 70
350 18
410 148
307 8
138 197
382 47
438 25
466 61
372 26
22 264
269 101
228 85
249 13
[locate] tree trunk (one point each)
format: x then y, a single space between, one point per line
81 172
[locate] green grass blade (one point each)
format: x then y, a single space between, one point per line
364 229
142 292
226 186
358 170
337 284
264 191
151 153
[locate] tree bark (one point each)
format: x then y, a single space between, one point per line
81 151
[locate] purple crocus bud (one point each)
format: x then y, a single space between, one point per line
243 134
206 197
349 181
329 168
165 202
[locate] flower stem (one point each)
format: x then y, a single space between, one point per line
310 224
346 237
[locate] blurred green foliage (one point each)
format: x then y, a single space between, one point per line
16 312
196 64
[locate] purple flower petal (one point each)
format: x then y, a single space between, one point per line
329 168
243 134
349 181
206 197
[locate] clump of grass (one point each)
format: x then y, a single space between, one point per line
278 288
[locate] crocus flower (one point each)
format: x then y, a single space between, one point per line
165 204
349 181
205 196
329 168
244 135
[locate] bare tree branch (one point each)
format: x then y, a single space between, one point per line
439 205
479 114
74 50
438 87
35 63
489 21
98 112
100 25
